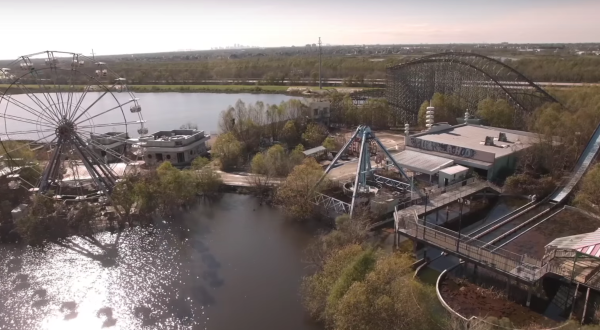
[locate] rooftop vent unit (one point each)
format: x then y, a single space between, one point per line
489 141
502 137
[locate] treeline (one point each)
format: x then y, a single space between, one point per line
277 70
271 71
576 69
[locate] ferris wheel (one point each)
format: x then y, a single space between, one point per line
68 117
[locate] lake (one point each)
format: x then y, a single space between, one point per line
233 264
161 111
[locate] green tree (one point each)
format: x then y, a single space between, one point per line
199 163
258 164
277 161
497 113
388 298
314 135
289 134
299 188
588 196
209 182
330 144
296 156
228 150
123 196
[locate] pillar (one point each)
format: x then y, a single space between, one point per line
587 295
528 296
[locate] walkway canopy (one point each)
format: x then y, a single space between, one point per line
422 163
588 243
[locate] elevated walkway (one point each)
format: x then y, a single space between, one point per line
438 198
565 263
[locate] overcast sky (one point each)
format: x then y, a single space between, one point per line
136 26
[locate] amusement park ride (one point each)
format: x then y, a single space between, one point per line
54 103
365 144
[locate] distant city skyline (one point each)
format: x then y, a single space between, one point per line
135 26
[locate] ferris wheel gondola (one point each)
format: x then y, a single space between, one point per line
62 119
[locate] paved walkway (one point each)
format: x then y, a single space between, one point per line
242 179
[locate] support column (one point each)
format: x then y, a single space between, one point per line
587 295
528 296
573 300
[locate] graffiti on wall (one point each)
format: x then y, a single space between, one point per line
441 147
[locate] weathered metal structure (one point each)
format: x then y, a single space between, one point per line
365 144
469 76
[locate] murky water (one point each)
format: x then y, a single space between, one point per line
231 265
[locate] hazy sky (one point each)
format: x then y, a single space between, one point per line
134 26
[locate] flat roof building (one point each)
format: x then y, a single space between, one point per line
179 146
485 149
115 142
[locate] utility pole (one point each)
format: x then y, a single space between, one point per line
93 55
320 53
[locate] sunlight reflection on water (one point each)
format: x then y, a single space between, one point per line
170 277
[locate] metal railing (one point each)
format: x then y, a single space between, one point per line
391 182
331 203
501 260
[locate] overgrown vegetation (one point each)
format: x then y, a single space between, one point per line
137 197
299 189
562 134
356 286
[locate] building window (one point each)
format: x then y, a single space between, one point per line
159 157
191 152
316 111
168 156
149 156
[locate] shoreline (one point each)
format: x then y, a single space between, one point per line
221 89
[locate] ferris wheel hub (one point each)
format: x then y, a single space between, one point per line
66 128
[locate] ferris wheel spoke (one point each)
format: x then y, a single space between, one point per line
70 94
79 102
31 96
54 70
124 123
94 103
112 137
23 120
51 104
107 150
29 132
28 144
107 111
28 109
104 180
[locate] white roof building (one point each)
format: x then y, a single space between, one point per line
480 147
178 146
